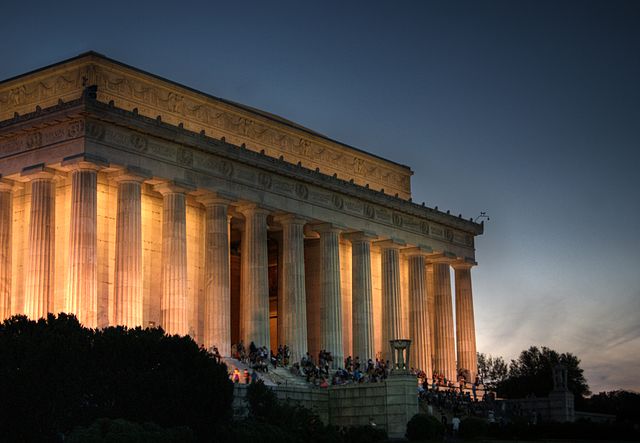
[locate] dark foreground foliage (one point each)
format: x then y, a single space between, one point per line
424 427
580 430
56 375
105 430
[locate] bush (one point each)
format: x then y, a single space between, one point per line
424 427
364 434
56 375
472 427
105 430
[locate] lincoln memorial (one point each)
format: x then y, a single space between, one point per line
128 199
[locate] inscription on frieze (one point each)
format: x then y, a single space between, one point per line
44 137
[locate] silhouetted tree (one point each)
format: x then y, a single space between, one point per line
56 375
623 404
531 373
491 370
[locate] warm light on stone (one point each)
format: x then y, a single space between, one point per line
172 208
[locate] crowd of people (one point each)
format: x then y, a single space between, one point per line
353 370
443 395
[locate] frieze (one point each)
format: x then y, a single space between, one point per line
46 136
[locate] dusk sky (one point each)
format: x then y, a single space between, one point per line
528 110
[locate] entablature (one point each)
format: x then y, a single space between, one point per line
128 138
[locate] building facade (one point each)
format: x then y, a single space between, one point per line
127 199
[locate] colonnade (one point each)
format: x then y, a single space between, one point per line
431 316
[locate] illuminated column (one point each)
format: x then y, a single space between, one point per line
445 358
128 266
294 300
465 327
391 296
174 258
82 284
431 309
6 215
39 284
330 294
217 285
254 299
418 312
362 297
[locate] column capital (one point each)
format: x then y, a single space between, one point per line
131 174
173 187
417 251
360 236
38 172
442 258
464 263
391 243
252 208
321 228
7 185
290 219
215 198
84 162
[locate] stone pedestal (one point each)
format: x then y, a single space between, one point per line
465 327
39 284
362 298
294 301
128 266
254 302
6 219
330 295
82 283
174 259
445 357
217 284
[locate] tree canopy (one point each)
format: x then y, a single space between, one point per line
531 373
491 370
56 375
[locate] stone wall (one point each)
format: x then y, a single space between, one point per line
390 404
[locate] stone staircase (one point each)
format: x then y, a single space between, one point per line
274 377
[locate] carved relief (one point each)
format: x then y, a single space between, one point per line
424 227
34 140
95 131
448 234
302 191
75 129
337 201
264 180
185 157
397 219
369 211
139 142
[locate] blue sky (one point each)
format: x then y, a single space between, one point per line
529 110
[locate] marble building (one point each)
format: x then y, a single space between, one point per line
128 199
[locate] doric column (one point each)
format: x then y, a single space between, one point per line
82 283
6 216
445 358
254 299
217 285
431 309
39 282
128 266
362 296
391 295
294 299
465 327
174 258
330 294
418 312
